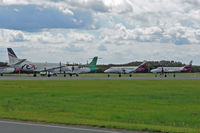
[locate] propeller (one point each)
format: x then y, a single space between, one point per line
162 70
60 66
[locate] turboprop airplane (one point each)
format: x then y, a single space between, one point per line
32 67
126 69
76 70
165 70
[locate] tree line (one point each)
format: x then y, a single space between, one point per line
150 65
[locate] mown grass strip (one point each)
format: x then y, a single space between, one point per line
168 106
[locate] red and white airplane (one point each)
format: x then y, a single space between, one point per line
164 70
126 69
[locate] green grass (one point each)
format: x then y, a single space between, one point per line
140 75
164 105
116 75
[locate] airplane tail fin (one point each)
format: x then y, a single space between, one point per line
93 63
190 63
187 68
141 67
12 56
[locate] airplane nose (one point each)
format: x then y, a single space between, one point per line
106 71
152 70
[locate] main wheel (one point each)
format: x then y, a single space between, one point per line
130 75
108 75
119 75
64 74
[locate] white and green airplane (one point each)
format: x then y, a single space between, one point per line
76 70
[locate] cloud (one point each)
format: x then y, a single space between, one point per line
41 18
177 35
74 48
11 36
102 48
122 30
81 36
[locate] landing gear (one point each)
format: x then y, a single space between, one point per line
64 74
120 75
165 75
130 75
34 74
77 75
108 75
174 75
70 75
1 74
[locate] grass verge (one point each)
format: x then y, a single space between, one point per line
167 105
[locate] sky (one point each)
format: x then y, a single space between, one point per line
117 31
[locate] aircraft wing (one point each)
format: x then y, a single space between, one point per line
171 71
51 69
130 70
21 61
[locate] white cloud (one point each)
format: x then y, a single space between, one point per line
123 30
41 46
11 35
81 36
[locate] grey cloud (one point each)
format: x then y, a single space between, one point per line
73 48
102 48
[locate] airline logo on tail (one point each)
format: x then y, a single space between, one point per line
93 63
141 67
12 57
11 53
187 68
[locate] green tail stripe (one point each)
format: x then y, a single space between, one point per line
93 62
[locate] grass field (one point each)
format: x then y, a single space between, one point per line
165 105
116 75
